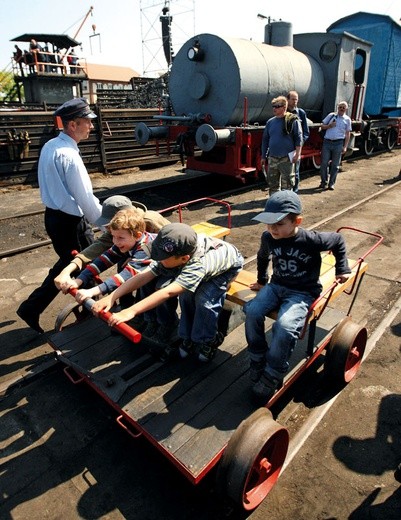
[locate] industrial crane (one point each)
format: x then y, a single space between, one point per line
90 12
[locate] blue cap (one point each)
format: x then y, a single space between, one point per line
278 206
77 107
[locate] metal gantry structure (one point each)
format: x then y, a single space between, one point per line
165 26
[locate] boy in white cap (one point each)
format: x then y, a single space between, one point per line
293 286
197 269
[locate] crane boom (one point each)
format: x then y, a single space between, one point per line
90 12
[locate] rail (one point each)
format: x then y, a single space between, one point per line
183 205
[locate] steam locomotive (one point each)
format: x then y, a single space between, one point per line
220 91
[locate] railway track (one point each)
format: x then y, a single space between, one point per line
155 194
29 226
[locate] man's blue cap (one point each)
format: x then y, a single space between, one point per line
73 108
278 206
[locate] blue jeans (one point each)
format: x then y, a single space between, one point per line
165 313
200 310
292 309
331 150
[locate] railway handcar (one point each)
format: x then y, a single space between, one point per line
201 416
220 93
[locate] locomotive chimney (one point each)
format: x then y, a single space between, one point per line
278 33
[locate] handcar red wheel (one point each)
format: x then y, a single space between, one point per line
345 351
252 460
72 313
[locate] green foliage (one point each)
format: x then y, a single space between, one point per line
8 89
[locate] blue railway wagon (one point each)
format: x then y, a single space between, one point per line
383 94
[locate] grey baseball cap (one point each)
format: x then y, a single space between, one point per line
176 239
278 206
113 204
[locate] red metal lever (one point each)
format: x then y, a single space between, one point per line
127 331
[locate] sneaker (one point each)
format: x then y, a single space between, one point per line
137 323
322 186
186 348
169 353
264 389
208 350
30 317
165 333
150 328
256 370
331 188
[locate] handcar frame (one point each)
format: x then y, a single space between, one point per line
200 415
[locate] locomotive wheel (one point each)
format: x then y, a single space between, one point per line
368 146
316 161
345 351
391 139
72 313
252 460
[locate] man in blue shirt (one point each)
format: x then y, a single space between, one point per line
281 144
67 193
338 131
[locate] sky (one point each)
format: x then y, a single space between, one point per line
121 26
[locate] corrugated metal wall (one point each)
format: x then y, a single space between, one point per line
111 145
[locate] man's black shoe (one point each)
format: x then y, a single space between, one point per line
30 318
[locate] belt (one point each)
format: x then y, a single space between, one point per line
333 140
61 213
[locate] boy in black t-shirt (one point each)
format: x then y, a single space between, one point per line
294 285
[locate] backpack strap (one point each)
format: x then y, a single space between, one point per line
289 119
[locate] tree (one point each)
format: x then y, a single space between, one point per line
8 88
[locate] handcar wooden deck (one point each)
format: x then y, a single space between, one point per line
198 414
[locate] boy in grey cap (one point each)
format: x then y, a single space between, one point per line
197 269
294 285
153 220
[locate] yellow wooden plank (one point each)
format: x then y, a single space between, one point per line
240 293
211 230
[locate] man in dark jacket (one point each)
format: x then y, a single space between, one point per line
292 98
